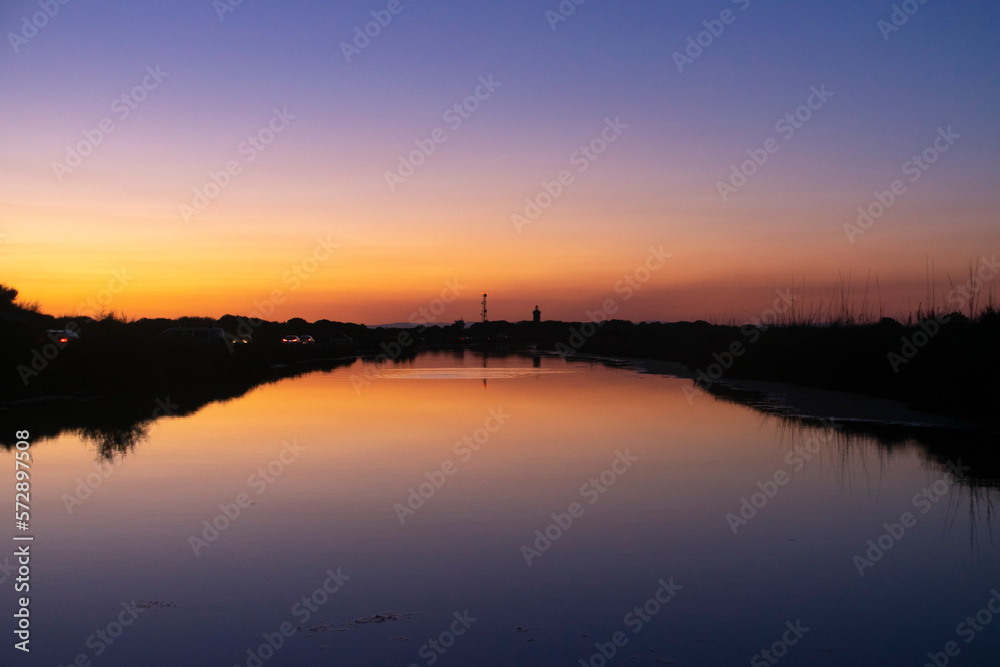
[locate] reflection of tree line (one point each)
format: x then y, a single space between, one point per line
115 424
965 458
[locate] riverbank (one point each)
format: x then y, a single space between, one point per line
947 365
942 364
857 419
812 403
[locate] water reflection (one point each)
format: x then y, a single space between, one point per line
938 446
115 425
112 441
423 435
963 458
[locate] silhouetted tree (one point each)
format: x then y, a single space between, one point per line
7 295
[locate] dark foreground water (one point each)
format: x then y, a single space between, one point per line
529 512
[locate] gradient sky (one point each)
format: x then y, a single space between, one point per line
323 175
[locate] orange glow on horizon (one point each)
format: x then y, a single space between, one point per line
385 264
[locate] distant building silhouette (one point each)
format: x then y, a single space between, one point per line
536 315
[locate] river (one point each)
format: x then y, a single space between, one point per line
503 510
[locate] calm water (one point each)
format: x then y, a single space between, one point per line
330 468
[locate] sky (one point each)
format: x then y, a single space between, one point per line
265 158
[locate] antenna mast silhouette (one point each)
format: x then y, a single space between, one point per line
484 307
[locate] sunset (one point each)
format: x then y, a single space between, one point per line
528 312
114 168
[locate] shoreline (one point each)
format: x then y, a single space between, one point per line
810 403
